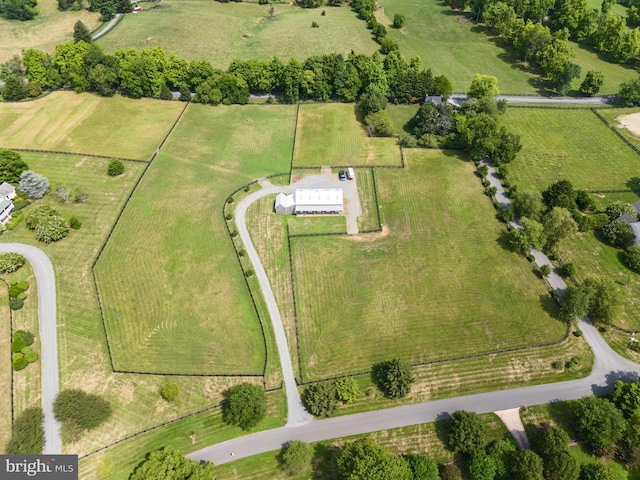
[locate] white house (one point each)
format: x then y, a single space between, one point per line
7 191
311 201
6 208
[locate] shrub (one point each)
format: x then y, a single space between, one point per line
506 214
24 335
15 303
295 457
18 362
75 223
398 20
347 390
618 233
242 252
115 168
230 200
249 273
169 392
545 270
21 204
80 196
228 216
557 365
51 229
320 399
33 184
379 124
63 194
185 94
29 355
632 258
34 216
86 410
483 170
17 345
23 284
27 433
15 291
393 378
10 262
323 13
244 405
315 25
569 269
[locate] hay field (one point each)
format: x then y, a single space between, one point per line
568 144
438 285
222 32
87 123
44 32
184 306
330 134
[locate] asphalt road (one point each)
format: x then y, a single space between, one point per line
45 278
459 98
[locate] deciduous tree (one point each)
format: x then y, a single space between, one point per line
599 423
169 464
393 378
467 433
295 457
366 460
244 405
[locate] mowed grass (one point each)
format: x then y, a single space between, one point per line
452 45
612 115
44 32
5 367
438 285
593 257
87 123
329 134
242 31
568 144
184 306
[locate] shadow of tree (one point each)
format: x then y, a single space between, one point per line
324 461
633 184
610 380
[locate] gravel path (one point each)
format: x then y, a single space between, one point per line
114 21
45 278
458 98
511 419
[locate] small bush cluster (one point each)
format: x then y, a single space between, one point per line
169 392
80 411
23 354
17 294
10 262
321 399
48 225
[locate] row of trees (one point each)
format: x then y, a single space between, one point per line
84 66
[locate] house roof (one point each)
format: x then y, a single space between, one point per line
4 204
437 99
6 189
285 200
318 197
626 218
636 205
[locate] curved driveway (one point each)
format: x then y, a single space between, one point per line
46 281
607 368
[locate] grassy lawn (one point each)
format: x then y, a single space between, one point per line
5 367
441 247
47 29
457 48
400 115
329 134
86 123
117 463
83 356
171 244
593 257
242 31
588 153
612 116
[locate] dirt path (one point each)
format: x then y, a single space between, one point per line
511 419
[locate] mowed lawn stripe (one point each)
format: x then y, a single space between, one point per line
568 144
87 123
184 307
330 134
439 285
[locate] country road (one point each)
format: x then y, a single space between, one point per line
458 98
46 281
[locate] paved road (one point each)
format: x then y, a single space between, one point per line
45 278
108 27
459 98
297 415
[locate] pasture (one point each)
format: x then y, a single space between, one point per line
242 31
184 307
44 32
86 123
452 45
588 153
330 134
437 285
5 367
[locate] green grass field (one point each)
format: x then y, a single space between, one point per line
613 117
47 29
441 250
568 144
86 123
183 287
451 45
241 31
5 367
329 134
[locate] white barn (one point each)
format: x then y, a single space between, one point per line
311 201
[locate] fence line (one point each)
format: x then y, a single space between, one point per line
58 152
616 131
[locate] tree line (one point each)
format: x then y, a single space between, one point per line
84 66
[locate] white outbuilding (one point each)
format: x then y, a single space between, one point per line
311 201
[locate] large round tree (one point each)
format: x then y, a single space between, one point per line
244 405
